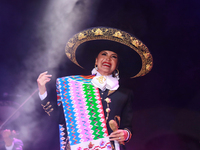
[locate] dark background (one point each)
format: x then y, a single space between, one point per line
167 100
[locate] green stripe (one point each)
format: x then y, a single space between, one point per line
89 91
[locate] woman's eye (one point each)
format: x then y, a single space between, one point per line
104 54
114 56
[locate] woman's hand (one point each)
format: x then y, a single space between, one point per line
42 80
119 135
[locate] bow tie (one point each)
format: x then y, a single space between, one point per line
105 82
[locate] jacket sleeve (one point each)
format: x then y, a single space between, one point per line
54 108
127 115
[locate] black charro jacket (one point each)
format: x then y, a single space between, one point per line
120 106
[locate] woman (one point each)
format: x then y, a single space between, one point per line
11 143
115 49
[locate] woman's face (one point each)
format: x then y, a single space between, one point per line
106 62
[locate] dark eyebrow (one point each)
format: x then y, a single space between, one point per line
114 55
104 52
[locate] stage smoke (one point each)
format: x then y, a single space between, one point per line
56 22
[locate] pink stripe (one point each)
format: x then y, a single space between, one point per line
78 107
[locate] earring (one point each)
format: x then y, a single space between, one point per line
94 70
117 74
95 66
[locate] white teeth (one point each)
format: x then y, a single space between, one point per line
106 64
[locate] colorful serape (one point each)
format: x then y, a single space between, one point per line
84 115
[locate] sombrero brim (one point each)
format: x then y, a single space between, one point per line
129 65
134 57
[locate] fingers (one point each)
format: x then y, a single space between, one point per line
42 74
117 136
44 78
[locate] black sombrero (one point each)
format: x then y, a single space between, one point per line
134 57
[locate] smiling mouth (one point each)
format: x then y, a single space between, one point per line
106 64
